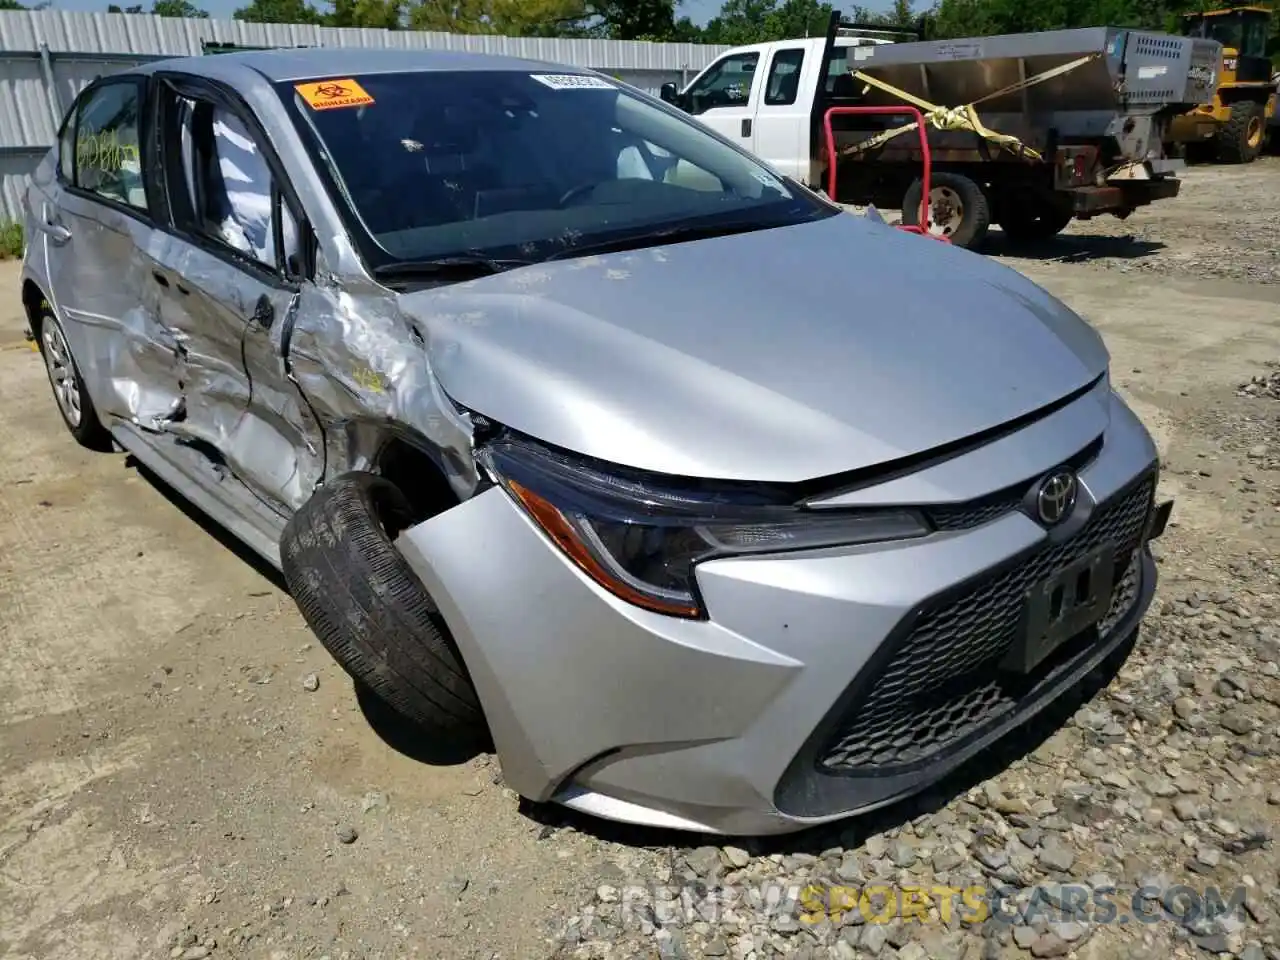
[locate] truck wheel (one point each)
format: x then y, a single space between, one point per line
1035 218
1240 139
958 209
366 606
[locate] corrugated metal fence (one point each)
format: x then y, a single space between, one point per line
47 57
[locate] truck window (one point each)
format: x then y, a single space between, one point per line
726 84
784 77
838 65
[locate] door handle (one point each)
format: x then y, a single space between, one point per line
51 225
55 231
160 278
746 127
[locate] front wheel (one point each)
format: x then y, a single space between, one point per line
1240 139
77 410
958 209
370 611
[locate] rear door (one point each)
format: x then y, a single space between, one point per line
723 97
781 129
95 222
229 273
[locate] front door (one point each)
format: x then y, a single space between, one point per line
228 276
723 96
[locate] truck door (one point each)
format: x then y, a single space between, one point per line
781 128
723 96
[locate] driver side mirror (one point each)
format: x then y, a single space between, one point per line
667 92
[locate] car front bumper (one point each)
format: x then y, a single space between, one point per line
823 683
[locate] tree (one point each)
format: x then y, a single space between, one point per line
279 11
165 8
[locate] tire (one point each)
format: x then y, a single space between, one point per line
1241 137
370 611
1035 218
69 391
969 226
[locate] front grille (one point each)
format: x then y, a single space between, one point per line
965 516
941 684
993 506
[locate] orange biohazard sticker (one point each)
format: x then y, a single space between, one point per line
331 94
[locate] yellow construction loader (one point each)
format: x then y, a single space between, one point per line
1235 124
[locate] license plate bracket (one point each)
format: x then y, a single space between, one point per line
1060 607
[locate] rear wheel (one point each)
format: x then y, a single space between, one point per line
69 391
958 209
1241 137
1035 218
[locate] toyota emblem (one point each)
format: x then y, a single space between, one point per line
1056 497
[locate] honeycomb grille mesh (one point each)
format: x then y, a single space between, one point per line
941 684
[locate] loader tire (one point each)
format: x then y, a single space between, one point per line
959 209
1241 137
370 611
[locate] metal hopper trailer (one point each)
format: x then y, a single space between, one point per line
1025 130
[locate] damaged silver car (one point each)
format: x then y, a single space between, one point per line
573 426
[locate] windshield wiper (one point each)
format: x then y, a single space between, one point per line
656 238
453 268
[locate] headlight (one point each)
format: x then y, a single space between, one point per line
640 539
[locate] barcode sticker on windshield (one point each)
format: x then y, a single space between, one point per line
572 81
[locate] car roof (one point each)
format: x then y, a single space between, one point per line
313 63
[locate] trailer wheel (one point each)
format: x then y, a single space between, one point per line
1240 139
1035 218
958 209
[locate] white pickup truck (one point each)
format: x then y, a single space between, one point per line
1089 139
775 119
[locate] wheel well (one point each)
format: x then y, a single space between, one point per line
418 476
32 300
1232 96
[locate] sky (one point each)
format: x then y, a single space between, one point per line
699 11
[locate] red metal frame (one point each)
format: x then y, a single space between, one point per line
923 227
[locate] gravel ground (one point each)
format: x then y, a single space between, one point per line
184 772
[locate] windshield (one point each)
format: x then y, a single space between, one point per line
1243 31
514 165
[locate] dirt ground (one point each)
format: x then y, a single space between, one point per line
172 785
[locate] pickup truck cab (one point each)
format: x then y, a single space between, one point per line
772 117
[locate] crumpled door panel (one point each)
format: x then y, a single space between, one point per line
236 409
101 288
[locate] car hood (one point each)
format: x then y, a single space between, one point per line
780 355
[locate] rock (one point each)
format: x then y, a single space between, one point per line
1237 720
373 801
195 953
1049 945
902 854
1213 943
703 861
311 683
716 947
736 857
347 834
1055 856
1186 808
873 938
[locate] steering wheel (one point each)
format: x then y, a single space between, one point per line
578 190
